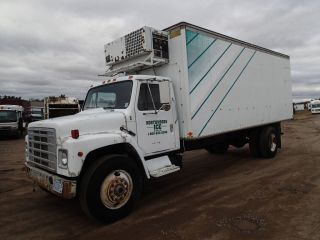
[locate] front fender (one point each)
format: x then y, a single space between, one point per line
85 144
89 143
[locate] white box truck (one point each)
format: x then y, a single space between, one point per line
164 93
11 121
315 106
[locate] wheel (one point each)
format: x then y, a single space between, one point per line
268 142
110 188
254 143
218 148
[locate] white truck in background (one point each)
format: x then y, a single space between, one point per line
60 106
315 106
36 114
11 120
164 93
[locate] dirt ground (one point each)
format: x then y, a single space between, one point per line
231 196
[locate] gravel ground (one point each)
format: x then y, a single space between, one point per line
230 196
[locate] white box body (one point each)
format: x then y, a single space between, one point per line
223 84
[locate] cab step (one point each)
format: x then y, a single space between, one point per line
161 166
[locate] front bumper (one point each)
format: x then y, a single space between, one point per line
57 185
8 131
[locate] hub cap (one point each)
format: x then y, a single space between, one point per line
116 189
272 142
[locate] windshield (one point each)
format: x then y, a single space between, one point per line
115 95
8 116
315 105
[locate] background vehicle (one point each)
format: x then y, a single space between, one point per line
36 114
60 106
192 88
12 100
315 106
11 121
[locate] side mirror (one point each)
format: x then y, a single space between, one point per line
165 107
164 88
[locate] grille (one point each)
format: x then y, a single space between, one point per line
43 148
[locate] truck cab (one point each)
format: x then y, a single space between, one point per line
148 108
11 122
130 119
315 106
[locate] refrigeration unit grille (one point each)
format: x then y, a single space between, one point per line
134 43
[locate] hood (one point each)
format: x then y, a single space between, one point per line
91 121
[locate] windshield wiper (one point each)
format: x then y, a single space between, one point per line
112 108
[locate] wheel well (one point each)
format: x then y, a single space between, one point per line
121 148
276 126
234 138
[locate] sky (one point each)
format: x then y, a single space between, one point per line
53 47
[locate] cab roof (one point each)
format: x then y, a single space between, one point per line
11 107
134 78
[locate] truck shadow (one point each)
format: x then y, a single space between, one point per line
199 167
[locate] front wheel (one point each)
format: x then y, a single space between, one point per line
110 188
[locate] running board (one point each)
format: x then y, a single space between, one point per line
161 166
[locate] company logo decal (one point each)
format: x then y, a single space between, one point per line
156 127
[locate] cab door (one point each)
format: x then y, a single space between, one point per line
154 117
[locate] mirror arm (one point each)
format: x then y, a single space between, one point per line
154 106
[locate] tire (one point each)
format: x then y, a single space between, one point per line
254 143
110 188
218 148
268 142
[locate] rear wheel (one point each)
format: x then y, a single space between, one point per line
218 148
110 188
268 142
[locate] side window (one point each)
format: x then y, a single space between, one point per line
145 100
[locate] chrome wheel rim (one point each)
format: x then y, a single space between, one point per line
273 142
116 189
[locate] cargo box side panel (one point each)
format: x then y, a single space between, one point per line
233 87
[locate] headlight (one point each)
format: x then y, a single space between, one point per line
63 158
26 150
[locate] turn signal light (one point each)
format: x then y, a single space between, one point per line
75 133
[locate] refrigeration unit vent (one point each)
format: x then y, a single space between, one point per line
160 45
